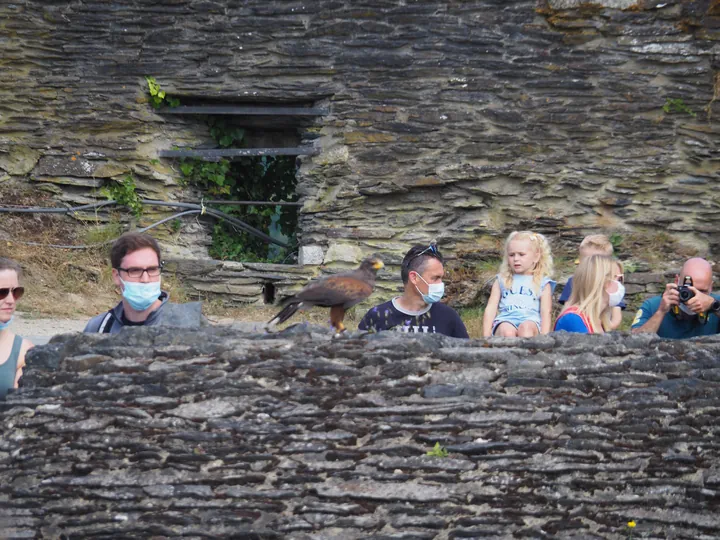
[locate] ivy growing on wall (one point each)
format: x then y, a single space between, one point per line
265 178
124 192
158 97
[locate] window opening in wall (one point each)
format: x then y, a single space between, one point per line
268 292
252 156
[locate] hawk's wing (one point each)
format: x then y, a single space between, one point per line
339 290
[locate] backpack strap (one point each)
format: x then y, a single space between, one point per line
107 323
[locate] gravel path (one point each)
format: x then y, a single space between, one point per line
39 331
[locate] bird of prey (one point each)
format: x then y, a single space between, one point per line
339 292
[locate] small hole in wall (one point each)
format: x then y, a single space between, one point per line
268 292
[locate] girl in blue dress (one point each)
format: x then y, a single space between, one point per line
520 302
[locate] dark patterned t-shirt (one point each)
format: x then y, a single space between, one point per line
435 319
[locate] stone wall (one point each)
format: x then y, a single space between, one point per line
458 121
298 435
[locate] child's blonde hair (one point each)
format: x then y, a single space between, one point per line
544 267
588 286
596 242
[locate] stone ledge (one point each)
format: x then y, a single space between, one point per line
224 432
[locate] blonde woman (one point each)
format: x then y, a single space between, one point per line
520 303
12 347
594 244
597 289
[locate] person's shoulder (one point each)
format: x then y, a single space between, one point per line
438 308
379 308
94 323
651 303
25 346
547 280
379 317
647 309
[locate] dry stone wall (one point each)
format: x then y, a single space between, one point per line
458 121
223 433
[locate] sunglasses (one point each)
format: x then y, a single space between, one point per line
17 293
432 248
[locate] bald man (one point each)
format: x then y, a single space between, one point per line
697 317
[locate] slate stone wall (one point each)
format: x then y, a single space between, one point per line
458 121
298 435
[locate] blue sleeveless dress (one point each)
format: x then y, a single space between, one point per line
520 302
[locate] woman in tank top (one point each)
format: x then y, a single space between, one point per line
597 288
12 347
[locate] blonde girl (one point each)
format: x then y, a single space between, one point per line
520 302
597 288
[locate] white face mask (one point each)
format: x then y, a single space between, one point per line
616 297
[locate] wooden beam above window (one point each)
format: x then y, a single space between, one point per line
236 153
246 110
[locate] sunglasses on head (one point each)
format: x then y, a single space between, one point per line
432 248
17 293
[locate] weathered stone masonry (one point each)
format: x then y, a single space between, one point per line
458 121
299 435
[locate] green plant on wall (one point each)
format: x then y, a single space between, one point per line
224 133
158 97
677 106
211 176
124 192
264 178
616 240
437 451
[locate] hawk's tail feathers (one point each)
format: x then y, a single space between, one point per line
284 314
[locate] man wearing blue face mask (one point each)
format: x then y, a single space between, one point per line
136 270
418 309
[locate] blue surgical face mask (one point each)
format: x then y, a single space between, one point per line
4 325
435 291
140 296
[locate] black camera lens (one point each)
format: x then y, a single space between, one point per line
685 293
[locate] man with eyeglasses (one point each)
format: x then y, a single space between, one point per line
684 310
418 309
136 270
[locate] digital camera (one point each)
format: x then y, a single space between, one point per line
684 290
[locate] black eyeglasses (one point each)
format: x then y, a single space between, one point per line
17 293
136 273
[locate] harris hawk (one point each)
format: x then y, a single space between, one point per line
339 292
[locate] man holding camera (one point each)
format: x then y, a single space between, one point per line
686 309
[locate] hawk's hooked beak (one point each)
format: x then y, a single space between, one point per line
377 265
